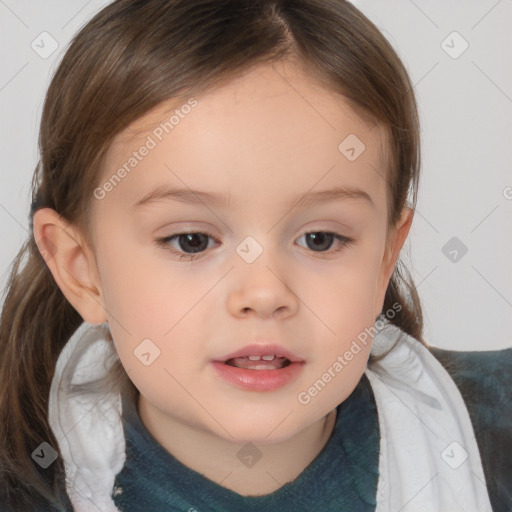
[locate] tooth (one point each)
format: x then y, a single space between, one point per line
254 358
267 358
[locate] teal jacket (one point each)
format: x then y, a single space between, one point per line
344 474
484 379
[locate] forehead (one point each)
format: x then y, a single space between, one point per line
272 129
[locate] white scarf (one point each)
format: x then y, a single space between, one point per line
429 459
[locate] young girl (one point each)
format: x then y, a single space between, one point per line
277 365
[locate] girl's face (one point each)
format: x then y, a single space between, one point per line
274 151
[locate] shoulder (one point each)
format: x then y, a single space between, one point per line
19 497
484 379
39 505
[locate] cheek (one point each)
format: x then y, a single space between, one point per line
148 298
138 286
343 299
344 294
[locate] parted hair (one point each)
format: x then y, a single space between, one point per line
130 57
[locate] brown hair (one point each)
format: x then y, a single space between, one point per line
130 57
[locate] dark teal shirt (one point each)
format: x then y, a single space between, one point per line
484 379
152 479
344 474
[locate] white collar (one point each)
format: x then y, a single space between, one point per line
425 428
88 427
429 458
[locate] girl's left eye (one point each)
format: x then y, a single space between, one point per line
197 242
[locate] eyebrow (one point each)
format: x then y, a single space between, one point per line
222 200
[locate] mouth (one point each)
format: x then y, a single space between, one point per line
266 362
262 373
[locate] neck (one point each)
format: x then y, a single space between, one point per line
218 459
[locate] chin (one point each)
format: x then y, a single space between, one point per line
269 431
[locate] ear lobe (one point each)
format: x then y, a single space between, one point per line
71 263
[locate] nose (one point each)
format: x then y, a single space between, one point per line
260 290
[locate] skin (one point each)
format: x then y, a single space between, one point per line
268 137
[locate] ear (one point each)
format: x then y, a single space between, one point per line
394 244
71 263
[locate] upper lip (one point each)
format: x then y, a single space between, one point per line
262 349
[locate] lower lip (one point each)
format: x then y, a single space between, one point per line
258 380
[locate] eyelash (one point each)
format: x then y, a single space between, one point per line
165 243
